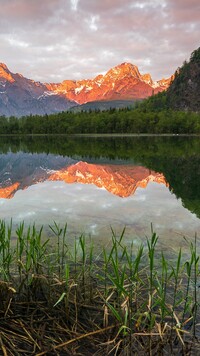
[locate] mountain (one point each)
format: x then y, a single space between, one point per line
123 82
21 96
184 92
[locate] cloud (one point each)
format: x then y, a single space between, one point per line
74 4
22 12
53 40
92 22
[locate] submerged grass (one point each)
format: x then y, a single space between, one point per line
66 300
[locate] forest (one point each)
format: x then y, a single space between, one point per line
138 120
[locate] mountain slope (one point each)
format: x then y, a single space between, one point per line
103 105
184 92
21 96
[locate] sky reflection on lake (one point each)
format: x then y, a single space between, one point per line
92 210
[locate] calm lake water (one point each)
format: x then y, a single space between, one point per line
95 183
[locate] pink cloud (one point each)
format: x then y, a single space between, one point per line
62 41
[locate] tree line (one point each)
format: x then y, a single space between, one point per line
144 118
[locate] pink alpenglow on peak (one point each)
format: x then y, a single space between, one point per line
21 96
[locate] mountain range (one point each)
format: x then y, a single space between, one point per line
21 96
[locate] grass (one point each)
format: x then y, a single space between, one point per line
62 300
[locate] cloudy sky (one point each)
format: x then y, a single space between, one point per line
53 40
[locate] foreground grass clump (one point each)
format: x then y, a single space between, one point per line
62 300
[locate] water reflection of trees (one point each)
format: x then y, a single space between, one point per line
178 158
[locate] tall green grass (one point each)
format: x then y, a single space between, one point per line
137 289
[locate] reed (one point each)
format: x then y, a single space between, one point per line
6 254
136 293
196 273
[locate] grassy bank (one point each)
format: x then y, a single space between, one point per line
62 300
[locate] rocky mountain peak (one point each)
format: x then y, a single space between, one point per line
122 70
5 74
147 78
4 66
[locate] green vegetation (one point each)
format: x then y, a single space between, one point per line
103 105
139 120
183 93
57 298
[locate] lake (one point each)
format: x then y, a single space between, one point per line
95 183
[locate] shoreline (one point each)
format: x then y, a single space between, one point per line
102 135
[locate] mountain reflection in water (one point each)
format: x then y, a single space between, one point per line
8 192
119 180
34 172
116 179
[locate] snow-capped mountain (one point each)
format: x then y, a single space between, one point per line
21 96
123 82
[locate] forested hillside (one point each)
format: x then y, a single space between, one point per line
184 92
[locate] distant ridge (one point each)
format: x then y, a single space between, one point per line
103 105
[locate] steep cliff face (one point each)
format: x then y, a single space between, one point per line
184 92
119 180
